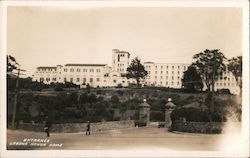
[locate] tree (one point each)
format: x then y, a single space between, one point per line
192 80
136 70
11 63
235 66
210 65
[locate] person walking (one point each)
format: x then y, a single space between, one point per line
47 126
88 128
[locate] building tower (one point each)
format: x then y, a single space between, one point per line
120 60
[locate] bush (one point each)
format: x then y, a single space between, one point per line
223 91
115 99
191 114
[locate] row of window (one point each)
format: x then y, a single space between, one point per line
167 77
161 83
225 84
47 79
173 67
120 65
46 72
83 70
49 69
120 70
161 72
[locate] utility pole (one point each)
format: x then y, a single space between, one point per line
15 98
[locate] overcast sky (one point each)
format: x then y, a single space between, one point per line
48 36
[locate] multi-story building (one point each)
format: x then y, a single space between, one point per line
94 75
101 75
170 75
164 74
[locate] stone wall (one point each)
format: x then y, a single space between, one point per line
197 127
78 127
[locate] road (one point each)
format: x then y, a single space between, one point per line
126 139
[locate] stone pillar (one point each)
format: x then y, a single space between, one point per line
169 107
144 113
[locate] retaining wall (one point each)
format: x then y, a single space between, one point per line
78 127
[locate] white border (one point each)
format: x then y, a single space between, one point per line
244 4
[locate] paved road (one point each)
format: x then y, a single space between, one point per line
126 139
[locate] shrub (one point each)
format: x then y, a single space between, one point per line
191 114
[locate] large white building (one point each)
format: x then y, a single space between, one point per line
101 75
94 75
170 75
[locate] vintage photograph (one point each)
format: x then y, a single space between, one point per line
126 78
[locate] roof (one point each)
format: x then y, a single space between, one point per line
144 104
148 62
120 51
170 105
46 67
85 64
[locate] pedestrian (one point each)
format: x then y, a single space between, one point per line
47 125
88 128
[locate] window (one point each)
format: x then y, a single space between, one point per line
178 72
71 70
178 83
65 79
65 70
167 67
178 77
97 79
167 72
84 80
77 79
98 70
172 67
172 83
166 83
161 77
156 72
41 79
85 70
71 79
178 67
161 67
172 77
172 72
91 70
167 77
114 81
161 82
155 77
54 79
91 80
161 72
78 70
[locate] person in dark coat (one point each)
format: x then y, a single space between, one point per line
47 125
88 128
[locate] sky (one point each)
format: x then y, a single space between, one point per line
49 36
